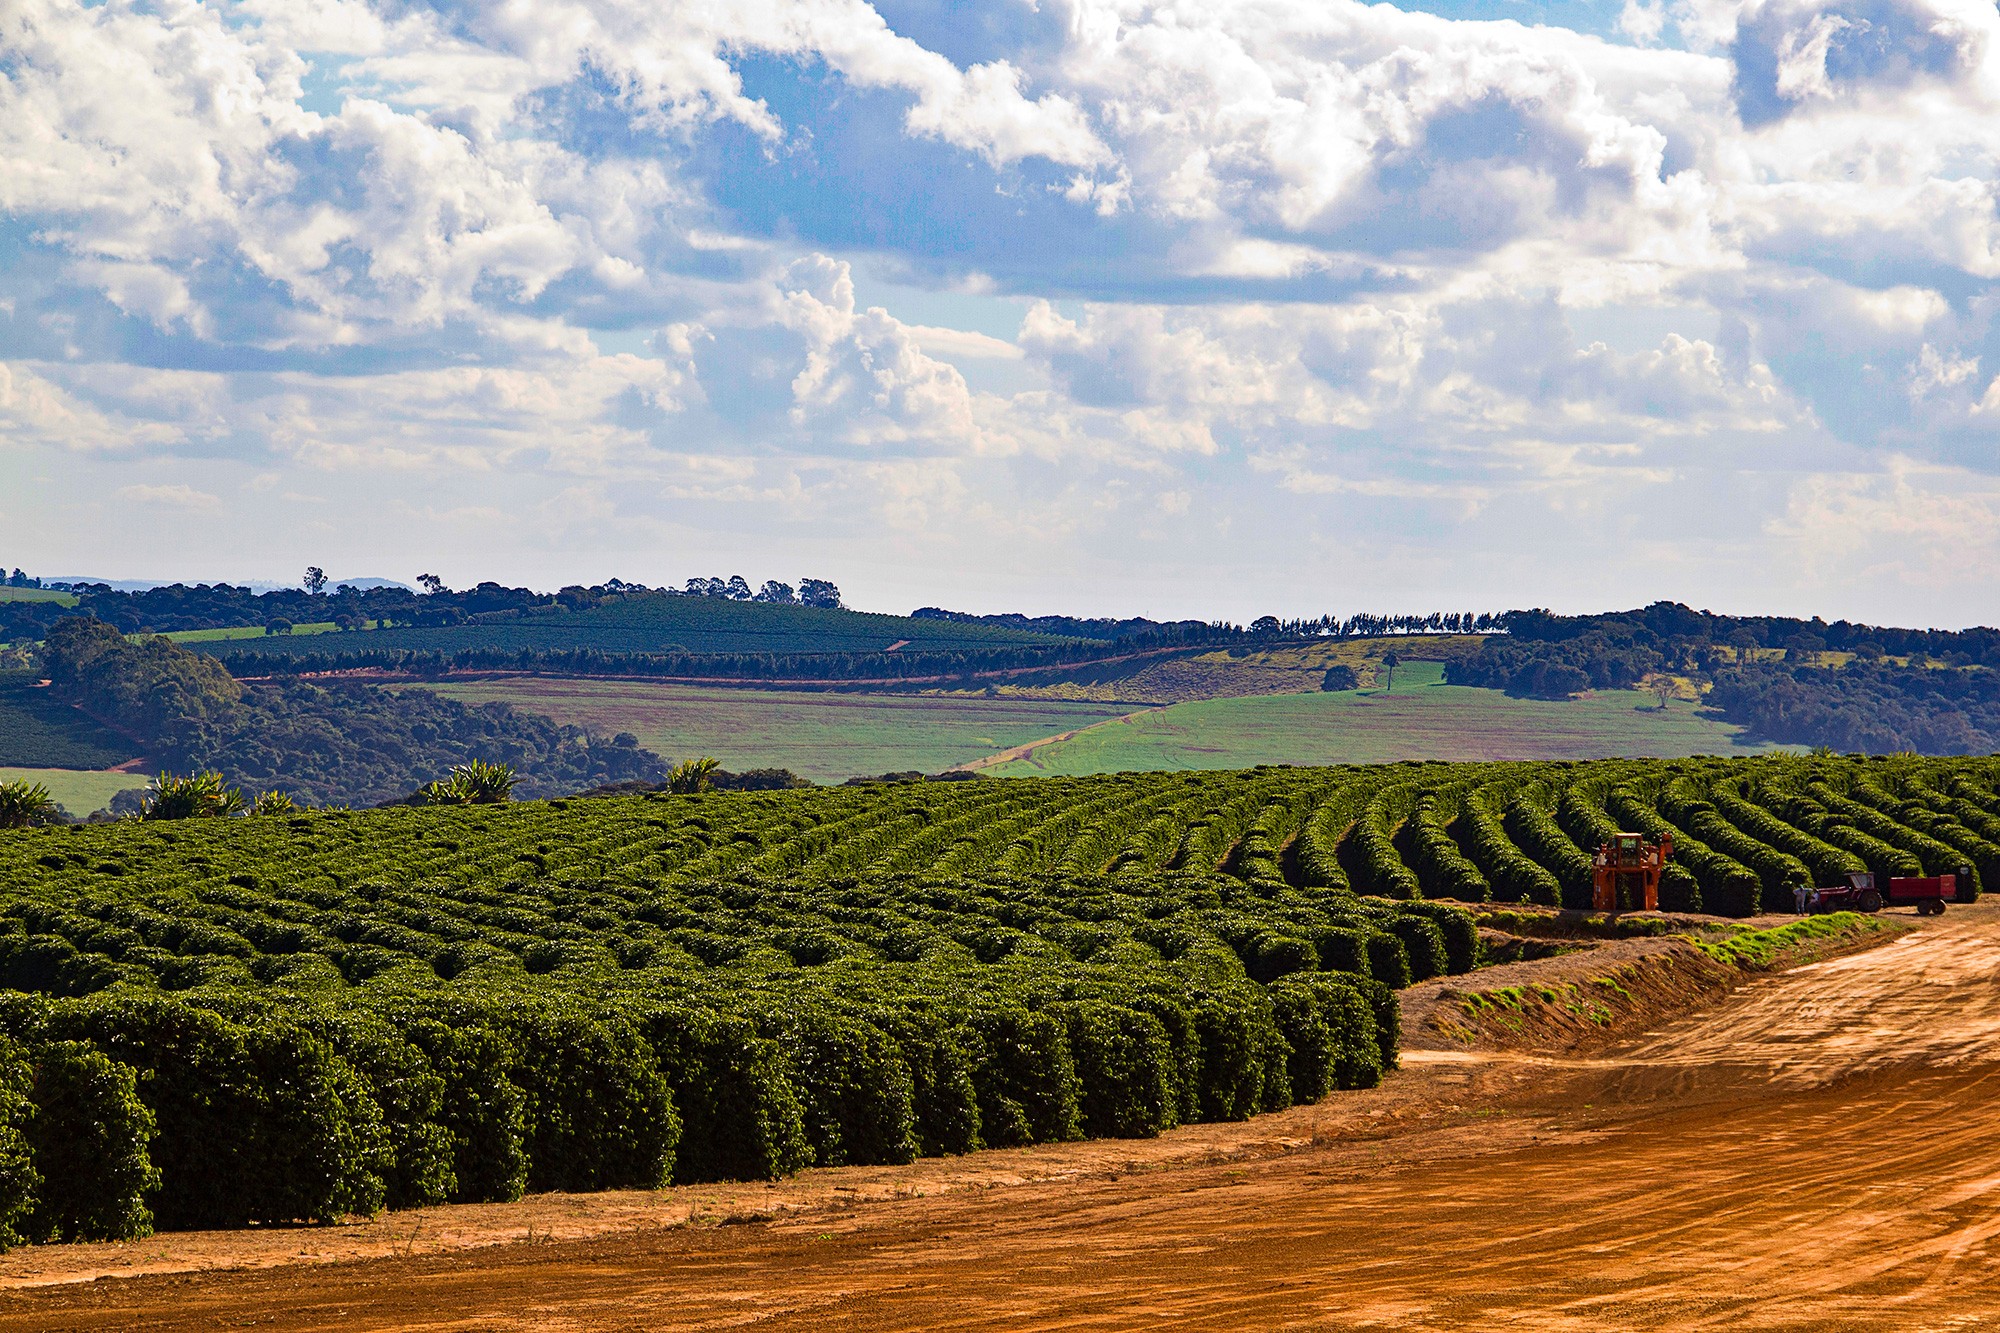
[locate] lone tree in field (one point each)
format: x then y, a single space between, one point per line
1339 676
1390 661
315 580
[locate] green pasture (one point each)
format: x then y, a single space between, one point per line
825 737
79 792
1422 719
244 632
37 595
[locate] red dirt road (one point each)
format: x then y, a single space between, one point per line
1819 1151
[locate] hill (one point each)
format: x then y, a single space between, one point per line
672 635
1422 719
671 623
824 736
339 742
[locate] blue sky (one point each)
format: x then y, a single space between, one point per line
1210 308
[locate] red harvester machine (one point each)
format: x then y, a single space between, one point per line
1625 876
1861 893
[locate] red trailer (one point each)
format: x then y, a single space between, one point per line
1861 894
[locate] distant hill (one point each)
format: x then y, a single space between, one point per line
660 623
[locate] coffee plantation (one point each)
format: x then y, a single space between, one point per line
295 1017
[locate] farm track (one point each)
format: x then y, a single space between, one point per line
1816 1152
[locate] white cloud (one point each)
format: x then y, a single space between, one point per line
1933 370
1309 253
175 496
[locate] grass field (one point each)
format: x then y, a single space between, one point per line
37 595
80 793
825 737
1422 719
242 632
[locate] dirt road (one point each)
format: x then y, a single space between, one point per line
1820 1151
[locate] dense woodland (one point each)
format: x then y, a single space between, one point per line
332 742
1943 698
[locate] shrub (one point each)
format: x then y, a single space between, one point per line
1125 1066
1025 1079
597 1109
88 1135
20 1184
741 1116
855 1085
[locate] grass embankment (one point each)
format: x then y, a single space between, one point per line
1628 994
1802 941
1423 718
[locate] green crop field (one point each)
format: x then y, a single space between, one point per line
1422 719
329 1012
80 793
661 623
825 737
37 595
37 731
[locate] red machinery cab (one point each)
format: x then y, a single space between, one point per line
1625 874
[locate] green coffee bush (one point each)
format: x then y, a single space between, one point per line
88 1135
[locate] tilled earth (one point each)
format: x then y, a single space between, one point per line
1819 1150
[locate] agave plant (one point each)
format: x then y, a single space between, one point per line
474 782
692 775
273 803
26 804
196 796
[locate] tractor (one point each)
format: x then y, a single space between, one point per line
1625 874
1864 893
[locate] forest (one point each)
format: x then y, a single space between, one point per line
332 742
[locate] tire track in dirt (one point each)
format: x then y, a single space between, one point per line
1820 1151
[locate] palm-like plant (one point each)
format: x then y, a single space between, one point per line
196 796
27 804
273 803
474 782
692 775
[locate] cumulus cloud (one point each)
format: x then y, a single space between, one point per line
176 496
593 264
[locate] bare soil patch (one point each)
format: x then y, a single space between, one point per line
1814 1151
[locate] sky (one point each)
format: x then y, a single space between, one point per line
1216 308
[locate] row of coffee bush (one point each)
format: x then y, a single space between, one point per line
126 1108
